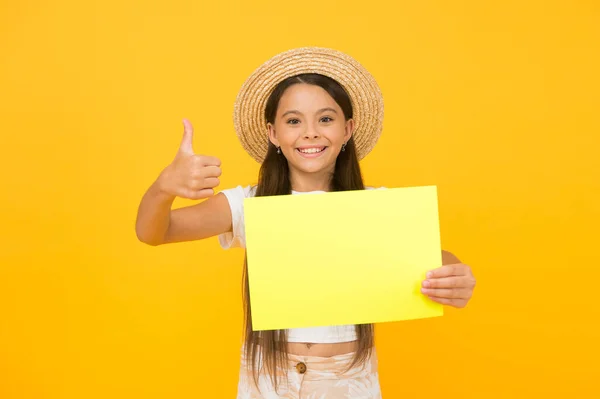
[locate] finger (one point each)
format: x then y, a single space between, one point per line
188 136
211 182
446 282
199 194
456 293
206 160
199 184
457 303
199 174
448 270
211 171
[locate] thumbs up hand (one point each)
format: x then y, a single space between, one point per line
190 175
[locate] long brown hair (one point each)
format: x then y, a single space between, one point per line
267 349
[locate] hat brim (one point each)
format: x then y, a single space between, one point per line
365 95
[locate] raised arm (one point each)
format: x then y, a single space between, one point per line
188 176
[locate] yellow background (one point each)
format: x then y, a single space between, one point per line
497 105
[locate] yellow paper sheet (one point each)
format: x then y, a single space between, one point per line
342 257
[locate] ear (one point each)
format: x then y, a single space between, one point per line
350 126
272 135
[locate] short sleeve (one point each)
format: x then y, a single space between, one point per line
237 237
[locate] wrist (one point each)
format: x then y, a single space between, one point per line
159 191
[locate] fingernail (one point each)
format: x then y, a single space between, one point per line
428 274
426 283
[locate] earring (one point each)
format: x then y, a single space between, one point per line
279 150
344 147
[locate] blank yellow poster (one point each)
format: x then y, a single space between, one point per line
342 257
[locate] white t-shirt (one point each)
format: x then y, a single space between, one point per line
237 238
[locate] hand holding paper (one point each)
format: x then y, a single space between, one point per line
450 285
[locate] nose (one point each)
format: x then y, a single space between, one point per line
311 133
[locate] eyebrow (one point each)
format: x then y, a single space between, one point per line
293 111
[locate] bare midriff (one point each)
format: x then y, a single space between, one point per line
321 350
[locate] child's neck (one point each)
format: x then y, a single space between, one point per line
310 183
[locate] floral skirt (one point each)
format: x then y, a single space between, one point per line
311 377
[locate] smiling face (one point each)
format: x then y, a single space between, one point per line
310 128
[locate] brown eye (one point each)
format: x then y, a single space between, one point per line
292 121
326 119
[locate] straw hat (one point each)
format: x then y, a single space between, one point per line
367 102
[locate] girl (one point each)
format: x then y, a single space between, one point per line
308 116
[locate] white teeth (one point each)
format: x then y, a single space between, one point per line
310 150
